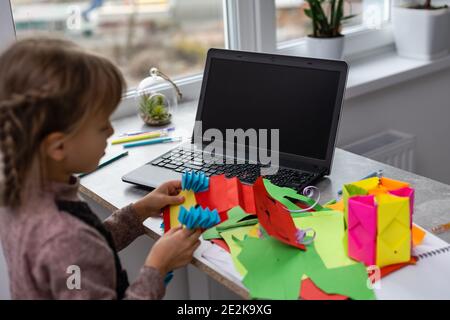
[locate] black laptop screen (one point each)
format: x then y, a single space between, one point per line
298 101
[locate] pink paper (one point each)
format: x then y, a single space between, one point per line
362 228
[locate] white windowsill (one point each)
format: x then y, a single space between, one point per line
386 69
366 75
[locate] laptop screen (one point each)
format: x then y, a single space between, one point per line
298 101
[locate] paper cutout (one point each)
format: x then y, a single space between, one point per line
394 233
195 181
230 238
309 291
338 206
170 214
274 217
329 241
288 196
418 235
350 281
224 194
274 271
197 217
394 267
236 217
221 243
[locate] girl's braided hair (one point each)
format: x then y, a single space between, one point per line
47 85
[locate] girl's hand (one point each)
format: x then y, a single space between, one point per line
173 250
152 204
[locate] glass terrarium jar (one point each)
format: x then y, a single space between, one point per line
157 97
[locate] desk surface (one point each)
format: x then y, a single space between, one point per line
432 204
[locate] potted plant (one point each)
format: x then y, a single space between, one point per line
421 30
154 110
327 17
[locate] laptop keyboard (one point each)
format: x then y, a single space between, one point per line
181 159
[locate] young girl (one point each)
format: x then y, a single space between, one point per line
55 104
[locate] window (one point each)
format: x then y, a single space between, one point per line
173 35
292 23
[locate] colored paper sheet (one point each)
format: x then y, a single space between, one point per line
362 229
418 235
309 291
274 217
329 241
275 270
394 233
221 243
286 195
189 201
230 237
236 217
394 267
338 206
224 194
350 281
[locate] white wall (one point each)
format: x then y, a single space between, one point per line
420 107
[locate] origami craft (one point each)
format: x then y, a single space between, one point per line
197 217
379 218
195 181
274 217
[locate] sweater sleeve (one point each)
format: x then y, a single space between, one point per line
80 265
125 226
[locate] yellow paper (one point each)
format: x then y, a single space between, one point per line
254 231
367 184
338 206
235 249
330 236
394 233
189 201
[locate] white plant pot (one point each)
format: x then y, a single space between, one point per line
325 48
421 34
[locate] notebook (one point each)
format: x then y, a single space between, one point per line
428 279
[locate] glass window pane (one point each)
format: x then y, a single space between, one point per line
292 23
173 35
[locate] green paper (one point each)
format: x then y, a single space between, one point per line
348 191
275 270
350 281
234 239
329 241
280 194
236 218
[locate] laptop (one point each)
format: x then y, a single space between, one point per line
297 101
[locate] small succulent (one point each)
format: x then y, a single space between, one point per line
154 109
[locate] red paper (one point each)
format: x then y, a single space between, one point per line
221 243
274 217
309 291
394 267
224 194
166 219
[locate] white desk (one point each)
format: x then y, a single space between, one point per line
107 189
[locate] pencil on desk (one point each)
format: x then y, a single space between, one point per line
441 228
153 141
139 137
101 165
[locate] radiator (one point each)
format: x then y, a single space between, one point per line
391 147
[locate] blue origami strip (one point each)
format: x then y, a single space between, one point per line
195 181
197 217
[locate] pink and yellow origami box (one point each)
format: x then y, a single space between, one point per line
378 212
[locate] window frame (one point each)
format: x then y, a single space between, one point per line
250 25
